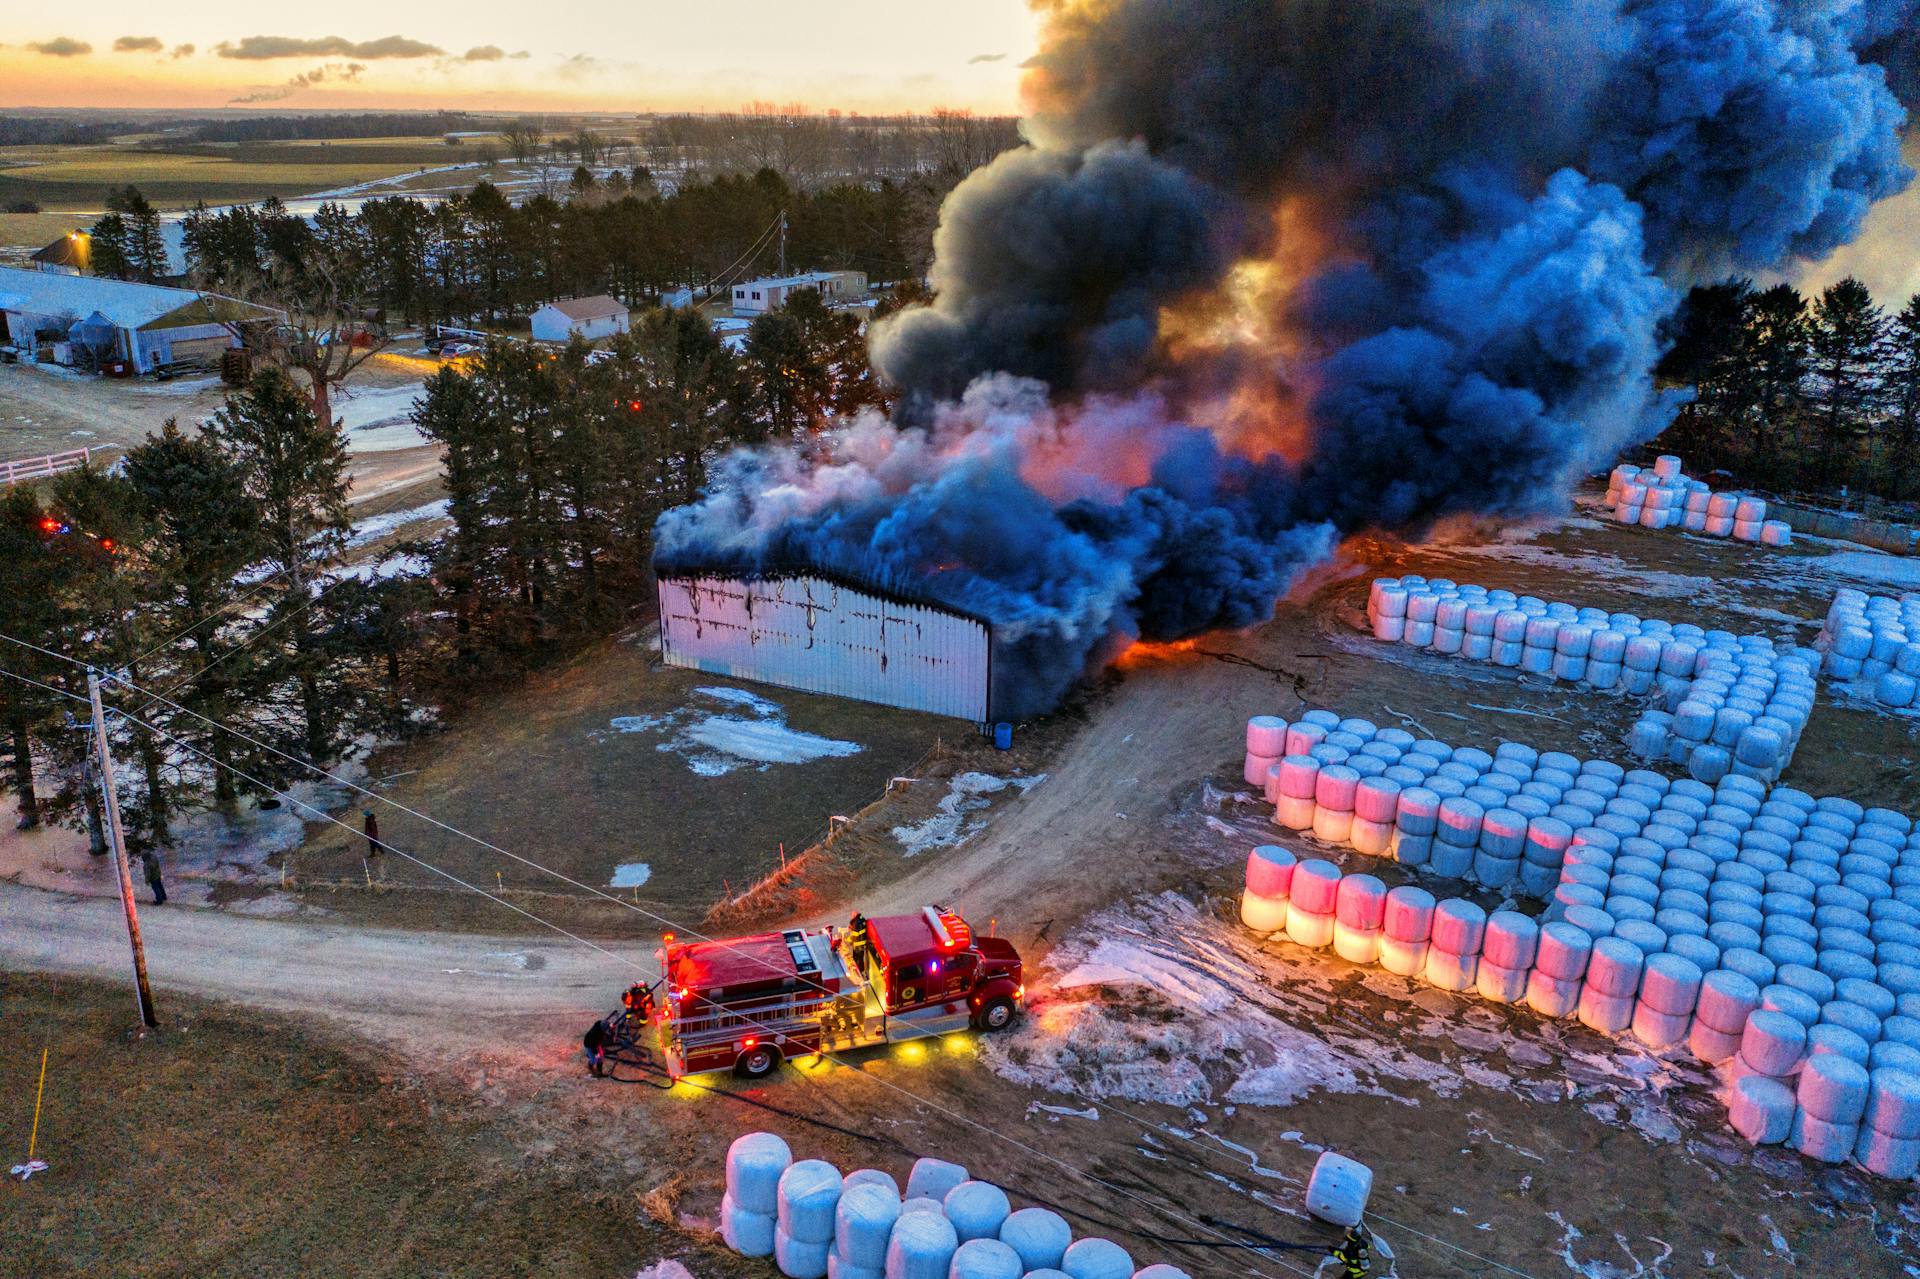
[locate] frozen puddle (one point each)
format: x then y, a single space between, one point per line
949 826
630 875
714 744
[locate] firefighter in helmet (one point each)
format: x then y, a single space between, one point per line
859 944
1354 1253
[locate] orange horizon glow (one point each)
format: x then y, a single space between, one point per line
868 57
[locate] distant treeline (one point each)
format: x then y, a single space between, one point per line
288 128
480 257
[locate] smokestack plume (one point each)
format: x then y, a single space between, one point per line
1270 273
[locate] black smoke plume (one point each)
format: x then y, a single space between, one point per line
1272 272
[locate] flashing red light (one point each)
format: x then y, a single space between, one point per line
749 1041
49 525
668 936
636 405
106 544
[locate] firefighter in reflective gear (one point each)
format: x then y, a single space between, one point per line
859 944
1354 1253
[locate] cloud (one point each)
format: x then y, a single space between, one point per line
267 48
986 57
484 53
333 72
182 51
62 47
138 44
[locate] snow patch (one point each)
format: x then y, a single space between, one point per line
714 745
1867 566
630 875
375 527
949 826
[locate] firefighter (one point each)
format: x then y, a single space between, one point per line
1354 1253
639 1005
151 866
595 1042
858 943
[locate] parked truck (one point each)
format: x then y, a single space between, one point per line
750 1003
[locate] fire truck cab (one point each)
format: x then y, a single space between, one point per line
747 1004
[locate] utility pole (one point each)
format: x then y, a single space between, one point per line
114 831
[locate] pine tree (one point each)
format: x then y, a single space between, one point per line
30 592
108 253
205 531
1770 382
294 468
1902 375
1848 334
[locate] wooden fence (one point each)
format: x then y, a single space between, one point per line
40 468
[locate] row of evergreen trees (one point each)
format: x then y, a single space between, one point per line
206 568
479 257
1798 394
209 566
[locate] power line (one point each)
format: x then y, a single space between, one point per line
917 1098
1143 1122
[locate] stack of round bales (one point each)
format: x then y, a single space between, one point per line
1662 496
818 1224
1873 643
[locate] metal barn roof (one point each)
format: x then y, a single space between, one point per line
125 304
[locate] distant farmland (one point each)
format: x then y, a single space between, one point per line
62 179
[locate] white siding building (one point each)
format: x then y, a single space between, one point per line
822 636
753 297
596 317
96 320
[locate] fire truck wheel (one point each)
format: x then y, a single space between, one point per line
757 1063
995 1014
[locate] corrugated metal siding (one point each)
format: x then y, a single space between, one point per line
821 637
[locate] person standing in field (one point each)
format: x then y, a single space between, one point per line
151 865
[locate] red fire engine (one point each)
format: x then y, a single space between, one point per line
748 1004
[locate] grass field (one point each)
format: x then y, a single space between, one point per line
79 178
235 1143
33 231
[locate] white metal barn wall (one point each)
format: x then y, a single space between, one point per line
816 635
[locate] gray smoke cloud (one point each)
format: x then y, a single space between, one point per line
1271 274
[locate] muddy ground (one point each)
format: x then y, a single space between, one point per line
1175 1077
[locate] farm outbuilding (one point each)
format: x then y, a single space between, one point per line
755 297
822 633
566 318
95 321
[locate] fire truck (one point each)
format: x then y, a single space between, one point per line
748 1004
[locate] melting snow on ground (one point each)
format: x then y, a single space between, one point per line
380 419
950 826
630 875
716 744
375 527
1159 1000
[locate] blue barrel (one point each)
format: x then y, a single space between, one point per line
1003 737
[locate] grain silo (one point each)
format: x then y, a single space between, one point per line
823 632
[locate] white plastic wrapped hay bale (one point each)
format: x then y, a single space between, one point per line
933 1178
1772 1043
1263 906
1254 768
1267 735
1039 1235
755 1162
1161 1270
748 1233
922 1244
808 1194
1893 1103
1823 1139
1338 1189
870 1177
1834 1088
863 1223
1710 1045
977 1210
984 1259
1897 1158
1096 1258
1552 996
1761 1110
799 1258
1359 908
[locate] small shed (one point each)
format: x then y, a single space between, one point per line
563 319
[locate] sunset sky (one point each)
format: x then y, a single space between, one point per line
640 55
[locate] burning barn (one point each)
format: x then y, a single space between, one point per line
827 633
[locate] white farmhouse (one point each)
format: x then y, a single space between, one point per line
596 317
753 297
